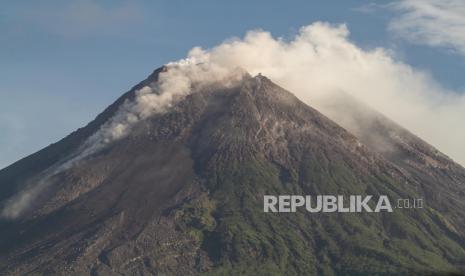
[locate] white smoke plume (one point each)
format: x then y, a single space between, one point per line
319 60
181 78
16 205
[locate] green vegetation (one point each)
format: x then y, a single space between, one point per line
243 240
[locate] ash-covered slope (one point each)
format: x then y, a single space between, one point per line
442 180
183 194
16 174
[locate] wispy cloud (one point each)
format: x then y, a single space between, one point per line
83 18
437 23
367 8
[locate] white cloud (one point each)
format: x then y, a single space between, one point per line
437 23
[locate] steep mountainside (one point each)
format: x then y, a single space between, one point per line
442 180
183 195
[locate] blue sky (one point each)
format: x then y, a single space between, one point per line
62 62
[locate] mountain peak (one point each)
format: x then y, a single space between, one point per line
192 179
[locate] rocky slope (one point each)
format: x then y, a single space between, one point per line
183 195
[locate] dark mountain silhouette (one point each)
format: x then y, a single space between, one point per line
183 194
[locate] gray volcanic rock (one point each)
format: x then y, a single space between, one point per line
183 195
442 180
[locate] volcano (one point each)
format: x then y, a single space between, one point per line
182 193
